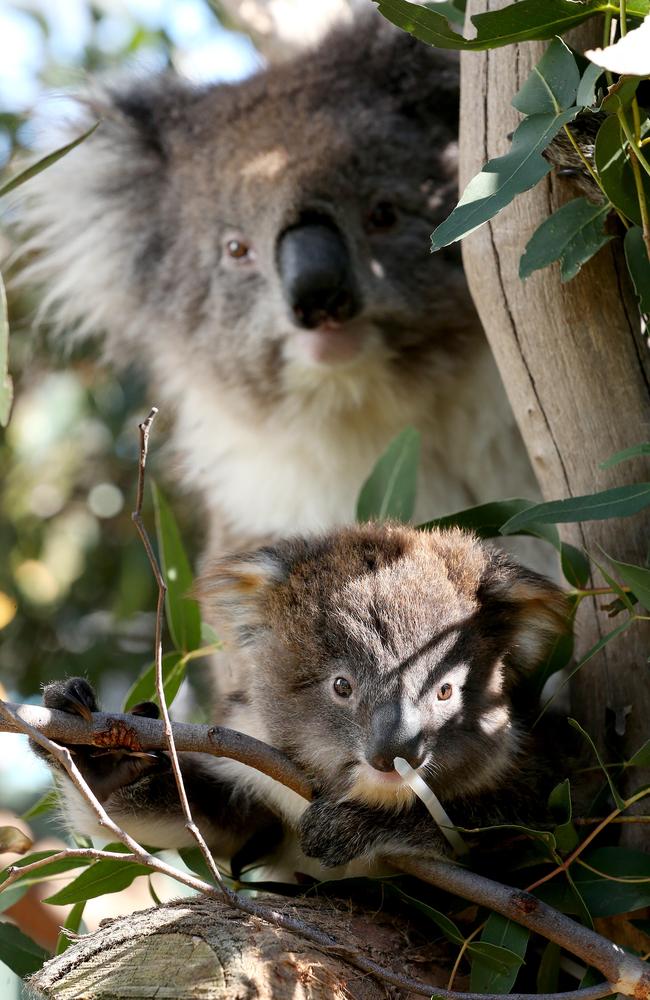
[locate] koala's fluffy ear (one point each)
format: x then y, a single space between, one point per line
234 593
92 220
521 610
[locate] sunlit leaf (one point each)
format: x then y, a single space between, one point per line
144 689
571 235
621 501
13 840
545 97
44 163
630 54
505 934
20 953
46 872
99 879
518 22
183 616
638 264
390 489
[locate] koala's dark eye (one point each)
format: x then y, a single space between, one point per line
381 217
342 687
445 692
237 249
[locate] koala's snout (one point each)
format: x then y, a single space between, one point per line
316 273
395 732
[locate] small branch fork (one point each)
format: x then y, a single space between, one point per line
624 973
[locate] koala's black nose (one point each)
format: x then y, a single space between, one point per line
316 273
395 732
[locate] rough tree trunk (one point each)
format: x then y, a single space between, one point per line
576 370
202 949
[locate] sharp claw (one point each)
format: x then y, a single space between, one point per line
80 707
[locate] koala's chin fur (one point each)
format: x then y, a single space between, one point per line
364 644
187 230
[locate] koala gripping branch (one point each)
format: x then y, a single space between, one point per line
624 973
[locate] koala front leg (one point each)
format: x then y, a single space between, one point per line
337 832
138 790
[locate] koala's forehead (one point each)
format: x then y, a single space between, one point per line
390 589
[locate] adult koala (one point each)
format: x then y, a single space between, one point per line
263 251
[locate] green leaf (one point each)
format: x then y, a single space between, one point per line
637 579
621 501
390 489
638 265
144 689
183 617
548 974
615 170
621 456
11 895
518 22
44 163
596 648
101 878
620 94
606 897
45 804
72 924
6 382
507 936
623 597
641 758
453 10
575 565
46 872
586 96
561 807
571 235
620 804
192 857
545 97
497 958
20 953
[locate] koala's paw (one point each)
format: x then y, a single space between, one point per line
73 695
332 833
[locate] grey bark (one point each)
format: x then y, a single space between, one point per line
577 373
202 949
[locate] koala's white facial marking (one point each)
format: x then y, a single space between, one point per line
266 164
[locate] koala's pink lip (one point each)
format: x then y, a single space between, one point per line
330 343
388 777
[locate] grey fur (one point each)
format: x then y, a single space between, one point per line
129 239
431 628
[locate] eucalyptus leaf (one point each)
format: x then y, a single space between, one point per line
641 758
620 94
6 382
99 879
44 162
606 896
20 953
561 807
71 925
621 501
390 489
635 451
518 22
548 973
505 934
12 895
571 235
620 804
615 170
637 579
47 802
638 264
13 840
453 10
144 688
586 95
46 872
183 616
552 84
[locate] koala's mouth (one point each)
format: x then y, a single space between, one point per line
378 788
330 343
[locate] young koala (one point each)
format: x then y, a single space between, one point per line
364 644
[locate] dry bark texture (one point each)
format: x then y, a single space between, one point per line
203 949
577 373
